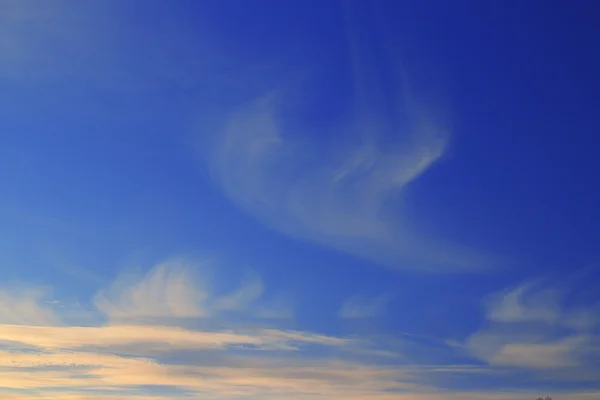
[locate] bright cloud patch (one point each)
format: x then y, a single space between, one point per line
146 344
98 97
345 195
169 290
25 306
529 326
339 203
122 355
173 289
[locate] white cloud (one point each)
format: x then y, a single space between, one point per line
248 299
344 191
169 290
26 306
251 290
559 353
345 197
78 359
175 289
159 339
364 307
124 359
529 327
244 376
520 304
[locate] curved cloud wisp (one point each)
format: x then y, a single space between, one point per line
341 189
172 289
529 326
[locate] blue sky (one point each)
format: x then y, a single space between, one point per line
299 200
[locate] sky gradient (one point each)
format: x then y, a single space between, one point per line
299 200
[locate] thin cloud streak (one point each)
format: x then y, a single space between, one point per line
123 358
175 289
530 327
79 359
169 289
25 306
364 307
347 196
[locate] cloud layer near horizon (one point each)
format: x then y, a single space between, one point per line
149 337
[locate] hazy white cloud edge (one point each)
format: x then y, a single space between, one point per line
142 338
361 306
140 325
347 196
275 170
175 289
530 326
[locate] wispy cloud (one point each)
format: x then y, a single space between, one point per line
122 358
26 306
242 298
169 290
248 299
175 289
160 339
346 194
361 306
530 326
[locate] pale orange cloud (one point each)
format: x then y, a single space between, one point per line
48 358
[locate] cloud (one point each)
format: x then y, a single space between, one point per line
122 358
530 327
241 298
169 290
174 289
250 378
77 360
341 187
246 298
73 337
25 306
364 307
522 304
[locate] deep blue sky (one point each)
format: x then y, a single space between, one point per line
423 173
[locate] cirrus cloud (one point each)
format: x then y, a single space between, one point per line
343 186
162 356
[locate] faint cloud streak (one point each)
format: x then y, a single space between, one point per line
169 289
364 307
529 327
125 359
346 194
